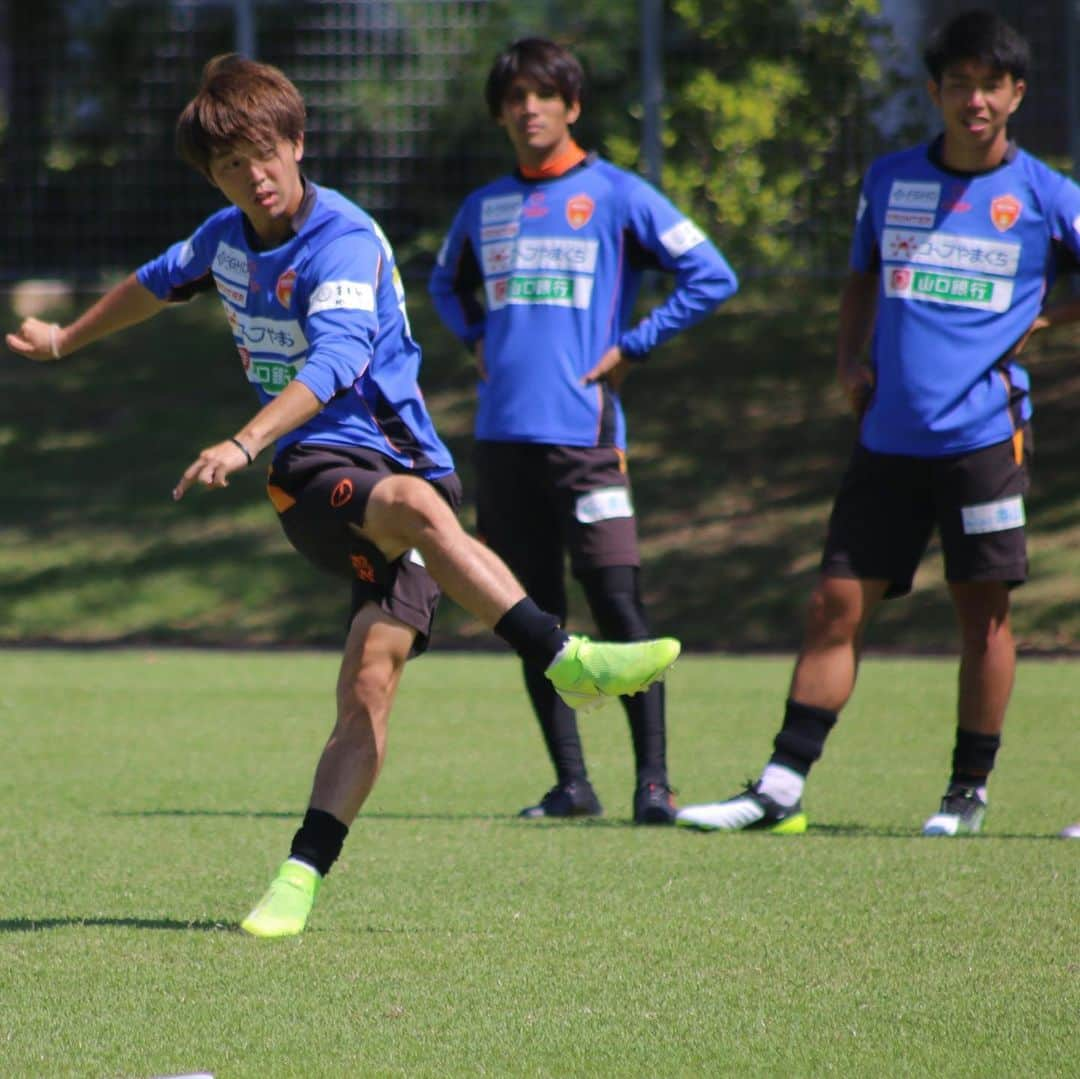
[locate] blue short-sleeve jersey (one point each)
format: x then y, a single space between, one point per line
965 263
558 263
325 307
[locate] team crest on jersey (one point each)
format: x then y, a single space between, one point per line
579 210
1005 212
283 290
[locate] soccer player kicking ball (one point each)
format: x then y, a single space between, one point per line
362 484
955 247
538 275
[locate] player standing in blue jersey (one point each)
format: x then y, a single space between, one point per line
363 486
956 245
538 276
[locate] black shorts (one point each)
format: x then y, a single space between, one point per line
321 494
888 506
534 497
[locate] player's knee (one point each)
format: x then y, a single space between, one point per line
406 508
833 613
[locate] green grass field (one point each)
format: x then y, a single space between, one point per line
147 797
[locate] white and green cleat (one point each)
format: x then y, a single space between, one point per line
587 674
283 911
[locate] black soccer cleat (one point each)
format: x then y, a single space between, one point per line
654 803
573 799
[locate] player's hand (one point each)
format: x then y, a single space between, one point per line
857 382
36 340
478 359
612 369
212 468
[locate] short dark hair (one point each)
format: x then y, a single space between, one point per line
239 101
549 65
977 35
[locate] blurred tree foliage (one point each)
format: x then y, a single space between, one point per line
766 132
765 118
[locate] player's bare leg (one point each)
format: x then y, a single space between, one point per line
987 655
828 663
375 653
374 659
822 683
987 672
404 513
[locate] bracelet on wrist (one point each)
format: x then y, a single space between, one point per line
243 449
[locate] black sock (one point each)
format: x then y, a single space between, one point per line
973 758
319 840
534 634
558 725
802 738
645 711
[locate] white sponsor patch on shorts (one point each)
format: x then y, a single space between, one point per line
603 504
993 516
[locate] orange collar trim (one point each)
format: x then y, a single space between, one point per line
571 156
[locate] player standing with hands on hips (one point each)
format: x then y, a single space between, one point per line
362 484
956 246
538 277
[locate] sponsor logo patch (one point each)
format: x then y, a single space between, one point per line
603 504
497 258
680 238
232 264
267 335
579 210
910 219
1005 212
551 289
342 296
503 208
500 232
997 516
914 195
908 284
555 253
950 251
232 293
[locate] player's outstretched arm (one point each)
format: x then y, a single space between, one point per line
125 304
296 404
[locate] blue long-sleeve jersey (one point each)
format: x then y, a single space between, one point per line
559 262
965 263
325 307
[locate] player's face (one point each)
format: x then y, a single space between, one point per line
537 120
976 102
266 187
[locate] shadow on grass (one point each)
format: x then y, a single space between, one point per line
33 925
737 442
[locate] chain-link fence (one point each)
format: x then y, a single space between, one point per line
91 88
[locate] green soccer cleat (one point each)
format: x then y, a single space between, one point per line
283 911
586 674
